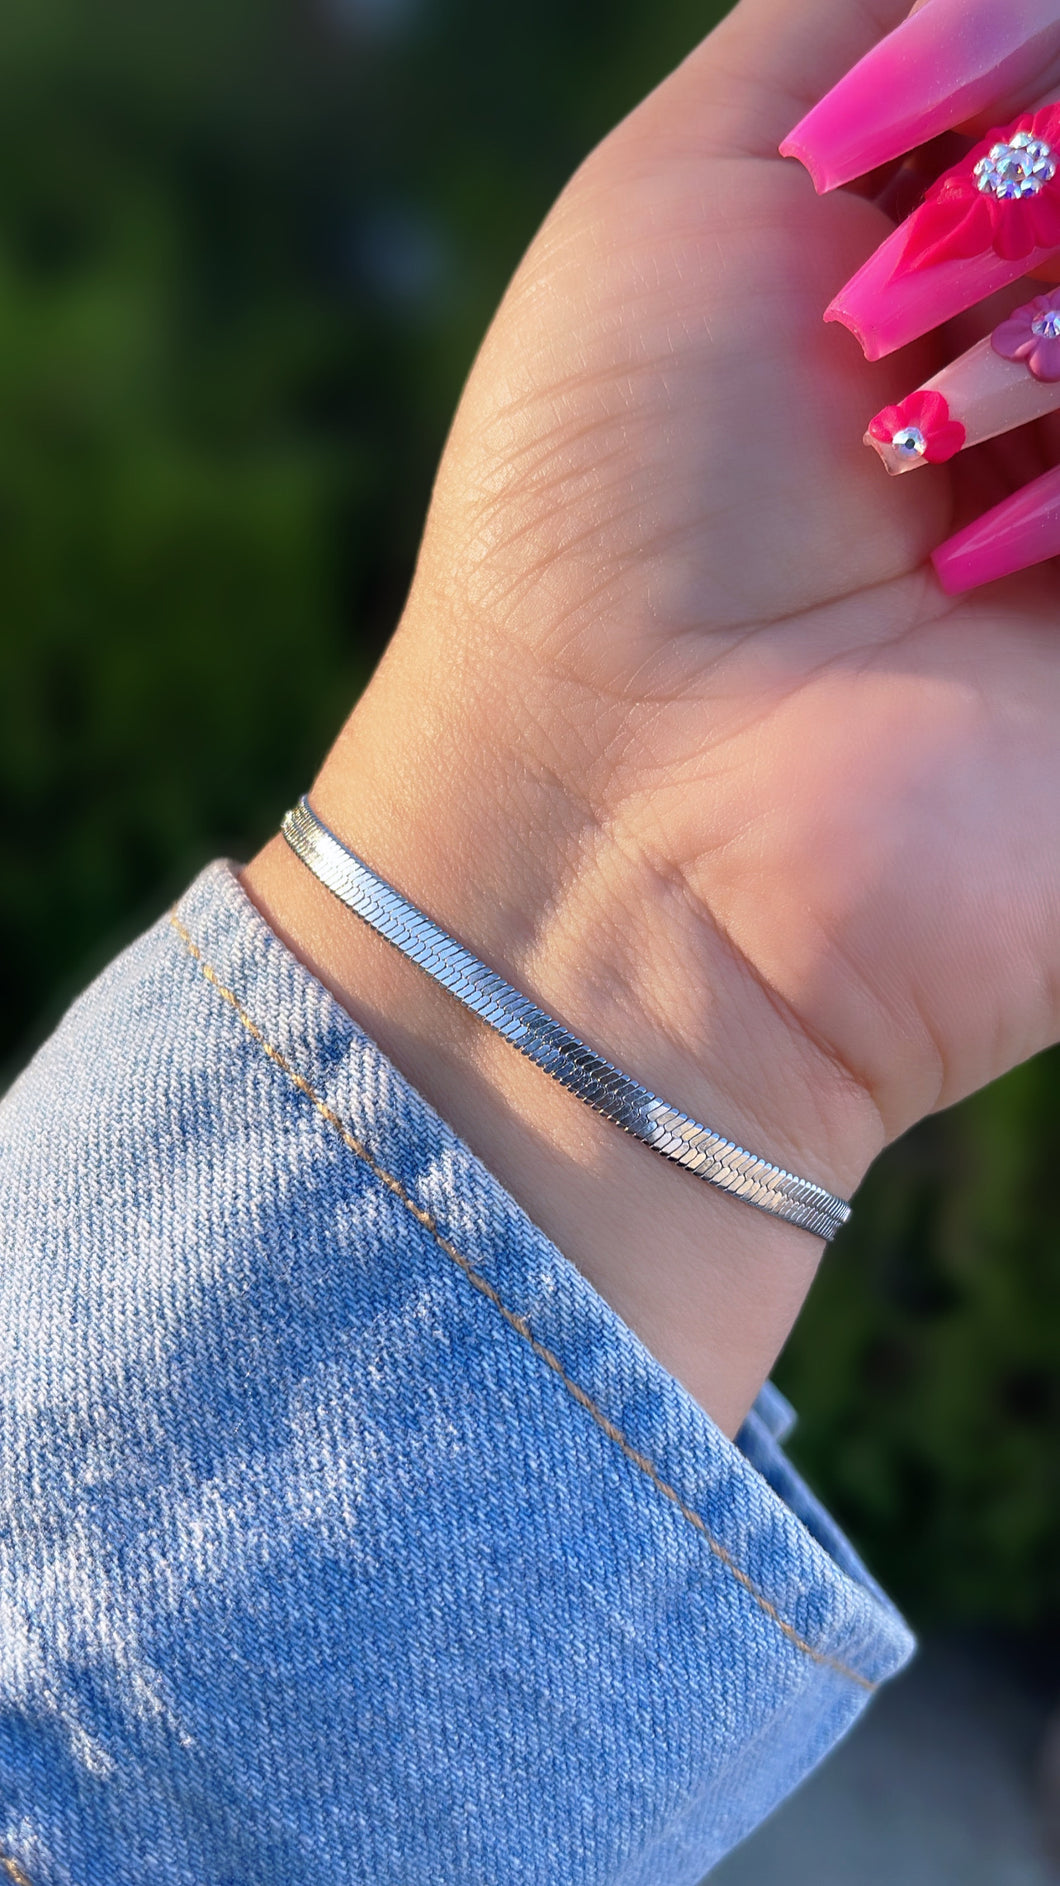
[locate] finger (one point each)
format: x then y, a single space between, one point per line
898 187
743 86
949 63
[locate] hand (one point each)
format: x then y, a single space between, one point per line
679 731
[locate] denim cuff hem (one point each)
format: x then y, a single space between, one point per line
350 1534
767 1534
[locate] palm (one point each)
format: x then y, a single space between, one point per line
729 627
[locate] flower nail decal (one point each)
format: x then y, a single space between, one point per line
1032 334
920 427
1004 196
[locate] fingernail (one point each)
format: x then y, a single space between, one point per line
1004 381
942 66
990 219
1021 531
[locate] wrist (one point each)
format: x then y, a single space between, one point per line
603 942
513 861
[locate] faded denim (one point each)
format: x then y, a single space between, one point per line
346 1534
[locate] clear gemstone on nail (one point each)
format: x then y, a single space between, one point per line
910 442
1018 168
1047 324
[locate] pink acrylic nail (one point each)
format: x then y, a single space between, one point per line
990 219
920 431
1004 381
943 65
1021 531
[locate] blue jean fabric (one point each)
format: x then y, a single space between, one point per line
346 1534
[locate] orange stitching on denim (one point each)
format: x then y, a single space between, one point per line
13 1870
517 1323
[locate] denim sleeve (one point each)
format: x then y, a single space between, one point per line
346 1534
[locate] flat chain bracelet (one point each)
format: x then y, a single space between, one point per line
545 1041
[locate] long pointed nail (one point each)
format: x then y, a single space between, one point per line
990 219
945 64
1021 531
1004 381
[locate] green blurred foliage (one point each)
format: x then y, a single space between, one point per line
246 253
926 1369
247 248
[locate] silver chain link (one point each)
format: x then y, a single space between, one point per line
545 1041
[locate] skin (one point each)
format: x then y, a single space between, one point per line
679 732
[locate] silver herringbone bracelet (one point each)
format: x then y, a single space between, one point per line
603 1087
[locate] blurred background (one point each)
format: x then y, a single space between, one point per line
247 250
